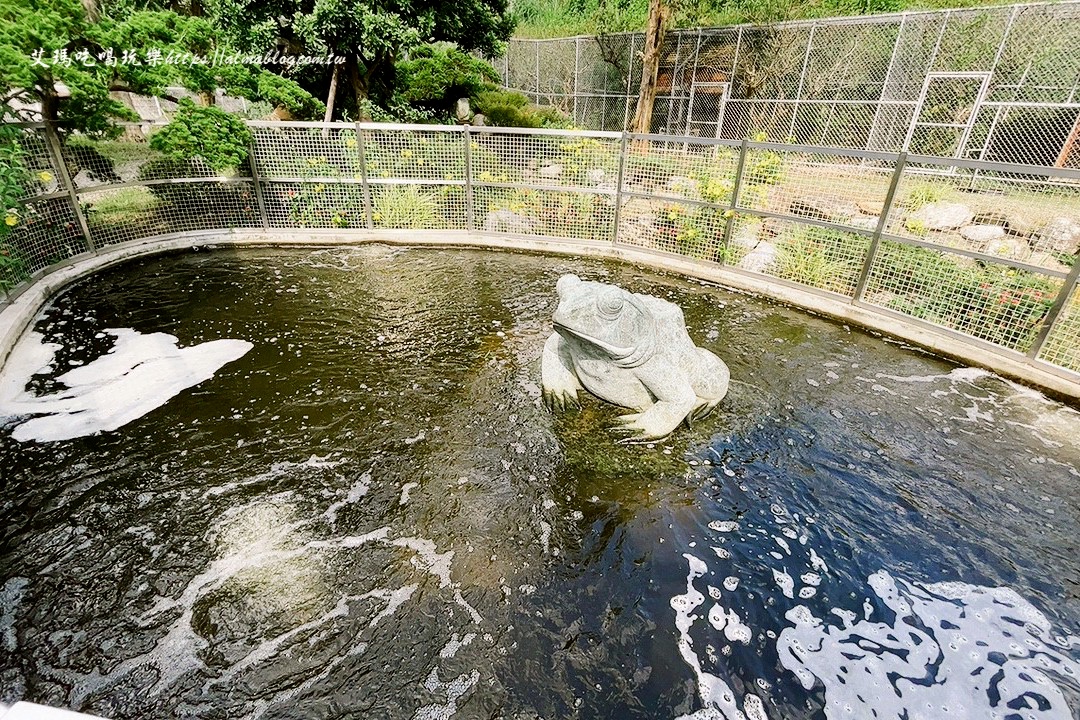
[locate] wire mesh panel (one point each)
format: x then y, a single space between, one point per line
828 187
569 160
316 205
117 215
1026 218
42 176
415 154
415 206
46 233
822 258
522 69
1062 345
987 301
558 61
683 194
282 151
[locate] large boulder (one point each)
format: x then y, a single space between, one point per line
461 110
1061 235
982 234
942 216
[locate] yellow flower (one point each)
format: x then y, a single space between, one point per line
419 161
729 213
474 145
384 173
11 220
319 188
376 216
406 153
45 176
351 142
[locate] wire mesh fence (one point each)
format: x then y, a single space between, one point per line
985 251
999 84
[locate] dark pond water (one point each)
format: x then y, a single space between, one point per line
370 514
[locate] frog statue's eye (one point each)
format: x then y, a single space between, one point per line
610 303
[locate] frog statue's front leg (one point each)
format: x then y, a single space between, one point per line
675 399
557 376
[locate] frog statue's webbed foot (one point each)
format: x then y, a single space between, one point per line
659 420
560 383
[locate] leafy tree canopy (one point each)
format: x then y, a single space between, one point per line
370 34
53 54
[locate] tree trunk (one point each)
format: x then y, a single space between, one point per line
330 95
359 87
659 15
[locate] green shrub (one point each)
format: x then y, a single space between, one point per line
435 76
925 193
221 140
825 259
406 207
506 108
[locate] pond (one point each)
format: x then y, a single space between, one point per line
362 509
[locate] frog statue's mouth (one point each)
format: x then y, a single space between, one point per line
614 351
624 357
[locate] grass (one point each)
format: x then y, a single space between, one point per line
541 19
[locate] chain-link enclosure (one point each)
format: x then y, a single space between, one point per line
999 84
986 251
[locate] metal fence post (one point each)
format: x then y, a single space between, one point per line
883 220
256 179
619 189
1054 313
729 226
470 210
365 188
52 141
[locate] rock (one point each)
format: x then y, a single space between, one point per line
479 119
1061 235
505 221
746 235
942 216
870 207
760 258
1008 246
818 208
550 171
682 186
461 109
596 175
863 222
982 234
1019 225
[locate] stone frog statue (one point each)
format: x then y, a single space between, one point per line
630 350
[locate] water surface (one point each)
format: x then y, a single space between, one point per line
371 515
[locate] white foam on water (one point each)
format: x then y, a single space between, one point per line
140 374
719 700
785 582
278 469
454 690
952 650
454 644
405 490
359 489
10 597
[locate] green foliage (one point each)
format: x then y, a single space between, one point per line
925 193
218 138
993 302
14 178
826 259
436 76
507 108
405 207
71 79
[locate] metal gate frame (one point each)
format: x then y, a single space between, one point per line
725 95
980 97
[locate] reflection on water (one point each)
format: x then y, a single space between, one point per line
371 514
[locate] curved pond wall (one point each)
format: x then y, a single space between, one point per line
972 259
